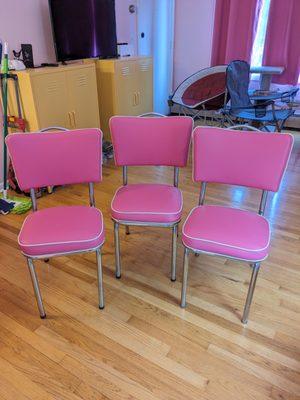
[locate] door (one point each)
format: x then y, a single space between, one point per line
50 94
83 98
155 21
144 73
126 89
145 11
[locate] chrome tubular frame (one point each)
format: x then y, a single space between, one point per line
125 175
36 288
92 194
184 277
173 225
252 284
176 176
174 252
125 181
255 265
202 199
46 257
100 278
127 224
263 202
117 250
35 283
33 199
202 193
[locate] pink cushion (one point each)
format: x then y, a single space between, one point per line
61 230
227 231
254 159
147 203
56 158
151 141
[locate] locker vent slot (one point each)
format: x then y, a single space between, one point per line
125 71
82 80
52 87
144 67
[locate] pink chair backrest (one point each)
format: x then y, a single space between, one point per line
56 158
250 159
151 141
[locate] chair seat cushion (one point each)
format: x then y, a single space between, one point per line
61 230
147 203
227 231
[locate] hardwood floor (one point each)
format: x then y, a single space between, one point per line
143 345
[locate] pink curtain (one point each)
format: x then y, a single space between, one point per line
234 30
282 45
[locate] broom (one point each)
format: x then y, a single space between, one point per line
16 205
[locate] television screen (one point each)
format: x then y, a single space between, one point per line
83 28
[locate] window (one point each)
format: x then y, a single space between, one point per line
260 36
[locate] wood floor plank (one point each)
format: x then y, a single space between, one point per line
256 370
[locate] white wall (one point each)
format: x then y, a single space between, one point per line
194 20
126 23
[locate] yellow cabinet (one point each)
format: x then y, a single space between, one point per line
50 94
83 98
125 87
63 96
144 70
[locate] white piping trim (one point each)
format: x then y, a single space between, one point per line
59 243
224 255
142 212
65 253
223 244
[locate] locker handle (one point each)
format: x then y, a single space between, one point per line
70 122
74 119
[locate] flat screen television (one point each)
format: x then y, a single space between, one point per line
83 29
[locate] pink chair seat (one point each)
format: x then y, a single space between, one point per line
227 231
147 203
61 230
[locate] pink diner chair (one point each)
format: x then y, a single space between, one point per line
159 141
251 159
51 159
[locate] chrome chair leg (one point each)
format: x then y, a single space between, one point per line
117 250
174 250
184 277
127 230
252 284
100 279
36 288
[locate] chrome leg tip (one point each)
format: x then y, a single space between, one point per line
118 276
43 316
244 321
183 305
101 307
173 279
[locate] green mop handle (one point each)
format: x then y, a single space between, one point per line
4 71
